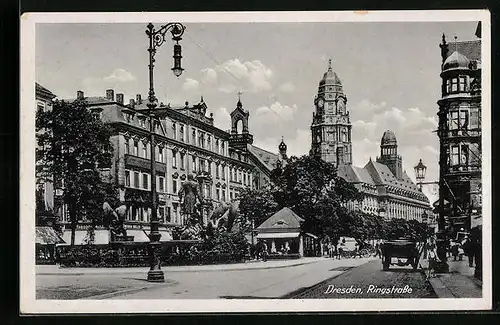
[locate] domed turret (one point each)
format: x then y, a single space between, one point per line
330 77
456 61
388 138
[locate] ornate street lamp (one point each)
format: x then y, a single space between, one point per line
156 39
420 170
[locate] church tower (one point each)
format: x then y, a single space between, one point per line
240 137
331 127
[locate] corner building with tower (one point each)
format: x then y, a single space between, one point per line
388 190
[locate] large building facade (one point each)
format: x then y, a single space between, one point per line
459 133
388 190
186 142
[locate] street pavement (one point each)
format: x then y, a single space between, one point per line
369 281
272 279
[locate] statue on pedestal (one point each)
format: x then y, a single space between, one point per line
190 198
115 218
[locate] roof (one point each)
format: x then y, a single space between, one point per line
382 175
456 61
268 159
43 92
283 219
47 236
354 174
471 49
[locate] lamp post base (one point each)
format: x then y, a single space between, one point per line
156 276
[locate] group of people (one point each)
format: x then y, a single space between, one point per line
457 249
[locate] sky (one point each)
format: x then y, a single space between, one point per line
389 71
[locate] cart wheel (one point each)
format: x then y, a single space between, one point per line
415 263
385 263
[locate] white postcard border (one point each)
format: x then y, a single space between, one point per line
28 302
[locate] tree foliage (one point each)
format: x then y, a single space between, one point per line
256 205
74 148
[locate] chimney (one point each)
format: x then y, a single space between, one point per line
110 94
132 103
119 98
79 94
138 98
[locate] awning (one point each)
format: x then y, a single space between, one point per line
47 236
278 235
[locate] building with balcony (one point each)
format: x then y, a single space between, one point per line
459 132
388 191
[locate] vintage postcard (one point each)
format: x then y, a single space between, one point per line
255 162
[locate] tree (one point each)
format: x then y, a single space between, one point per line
312 188
75 147
257 205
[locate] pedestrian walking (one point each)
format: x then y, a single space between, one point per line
433 259
468 250
264 251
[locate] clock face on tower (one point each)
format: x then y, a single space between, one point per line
321 102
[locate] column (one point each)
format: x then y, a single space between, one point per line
301 245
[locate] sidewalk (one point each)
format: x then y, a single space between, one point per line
458 283
248 265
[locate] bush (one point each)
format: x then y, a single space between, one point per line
222 247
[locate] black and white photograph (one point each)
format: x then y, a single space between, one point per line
207 162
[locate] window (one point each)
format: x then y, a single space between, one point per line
230 195
217 145
223 195
239 176
202 165
201 140
174 186
209 167
474 119
174 159
161 157
136 148
193 139
454 156
464 119
169 215
144 151
161 183
145 182
209 143
174 131
462 83
448 86
454 84
127 178
161 214
217 170
217 192
127 147
181 132
223 152
136 180
194 164
223 172
244 178
176 214
454 120
182 161
464 155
